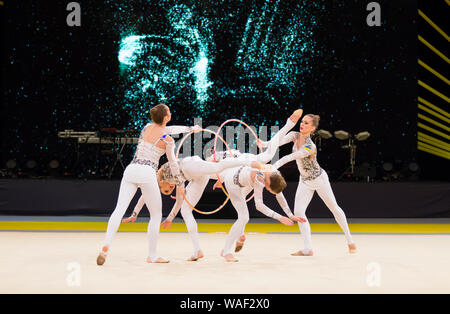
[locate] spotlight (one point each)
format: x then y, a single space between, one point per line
31 164
388 167
53 164
344 135
324 134
53 168
411 170
341 135
413 166
11 164
362 136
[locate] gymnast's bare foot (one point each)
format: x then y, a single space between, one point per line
159 260
240 243
101 258
194 259
296 115
230 258
301 253
352 248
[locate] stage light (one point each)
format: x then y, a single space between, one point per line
413 166
53 164
11 164
388 167
324 134
341 135
31 164
362 136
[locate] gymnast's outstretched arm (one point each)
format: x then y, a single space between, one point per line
305 151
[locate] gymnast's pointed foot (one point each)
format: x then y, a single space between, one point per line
352 248
101 258
159 260
295 116
240 243
230 258
199 256
301 253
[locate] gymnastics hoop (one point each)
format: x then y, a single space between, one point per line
251 131
221 185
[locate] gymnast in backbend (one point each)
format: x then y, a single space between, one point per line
312 178
141 172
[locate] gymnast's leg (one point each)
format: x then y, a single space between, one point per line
152 197
275 142
126 194
194 167
326 194
194 191
303 197
240 205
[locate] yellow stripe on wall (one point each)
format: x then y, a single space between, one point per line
430 149
435 108
225 227
431 89
433 71
426 18
425 118
426 127
432 141
437 115
440 54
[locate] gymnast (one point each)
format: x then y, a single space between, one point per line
141 172
312 178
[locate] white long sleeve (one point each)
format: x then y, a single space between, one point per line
284 204
177 206
290 137
304 151
259 203
176 129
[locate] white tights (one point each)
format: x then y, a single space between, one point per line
194 191
150 192
303 196
237 198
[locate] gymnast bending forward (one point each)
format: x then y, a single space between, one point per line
312 178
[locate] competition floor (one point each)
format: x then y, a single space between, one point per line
57 255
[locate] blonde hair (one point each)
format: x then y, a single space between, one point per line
315 120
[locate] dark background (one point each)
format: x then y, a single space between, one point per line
357 78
